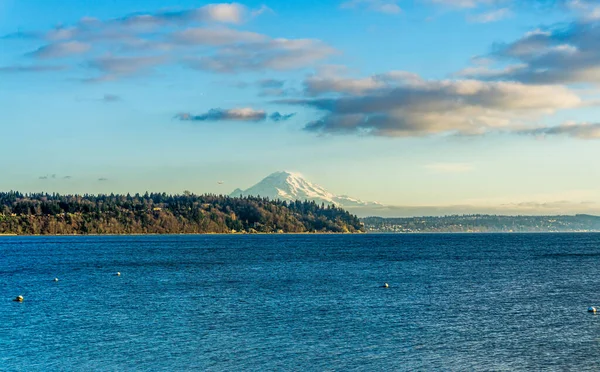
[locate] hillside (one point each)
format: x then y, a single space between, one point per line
484 223
159 213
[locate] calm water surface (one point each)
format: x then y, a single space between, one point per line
292 302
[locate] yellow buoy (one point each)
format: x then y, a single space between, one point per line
18 299
592 309
56 279
385 285
118 273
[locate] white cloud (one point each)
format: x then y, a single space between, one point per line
404 105
234 114
586 131
31 68
588 10
217 36
557 55
485 72
232 13
262 10
492 16
196 38
464 3
60 50
316 85
114 67
273 54
226 13
381 6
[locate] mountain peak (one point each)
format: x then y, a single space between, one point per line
292 186
284 174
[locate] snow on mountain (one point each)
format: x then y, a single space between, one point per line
292 186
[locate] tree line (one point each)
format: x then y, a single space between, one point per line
484 223
161 213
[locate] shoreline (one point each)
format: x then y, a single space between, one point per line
186 234
315 233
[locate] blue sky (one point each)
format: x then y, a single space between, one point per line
480 103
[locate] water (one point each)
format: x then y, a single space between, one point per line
293 302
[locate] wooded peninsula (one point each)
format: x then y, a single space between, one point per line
160 213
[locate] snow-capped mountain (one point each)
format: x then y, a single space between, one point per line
292 186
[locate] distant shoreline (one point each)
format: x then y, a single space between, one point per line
484 223
317 233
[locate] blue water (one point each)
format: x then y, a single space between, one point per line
292 302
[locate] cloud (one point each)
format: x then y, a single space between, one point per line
21 35
276 116
587 131
495 10
400 104
270 83
268 87
53 177
487 73
198 38
215 37
274 88
114 67
492 16
274 54
277 92
64 33
92 29
233 13
236 114
110 98
60 50
316 85
450 167
554 55
381 6
124 65
263 9
465 3
588 10
31 68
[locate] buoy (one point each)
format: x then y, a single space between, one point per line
56 279
385 285
18 299
118 273
592 309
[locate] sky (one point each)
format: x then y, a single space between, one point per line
430 105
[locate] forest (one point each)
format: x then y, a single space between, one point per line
161 213
484 223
